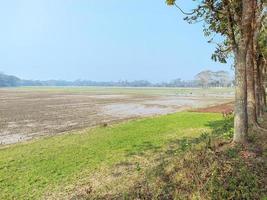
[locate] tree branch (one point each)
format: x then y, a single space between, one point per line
230 26
185 13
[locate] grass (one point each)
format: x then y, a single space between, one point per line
130 90
208 167
29 170
203 174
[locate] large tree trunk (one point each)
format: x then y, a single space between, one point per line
260 92
264 84
258 64
263 94
241 117
251 102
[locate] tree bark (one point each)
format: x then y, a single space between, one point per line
251 102
257 88
241 117
264 83
260 92
258 64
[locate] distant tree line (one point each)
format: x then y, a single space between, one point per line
202 79
214 79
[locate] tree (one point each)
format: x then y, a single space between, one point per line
213 79
9 81
204 78
235 21
223 78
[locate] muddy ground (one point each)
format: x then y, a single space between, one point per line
225 108
27 114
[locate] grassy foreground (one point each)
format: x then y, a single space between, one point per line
29 170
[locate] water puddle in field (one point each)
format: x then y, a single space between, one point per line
133 109
158 106
13 138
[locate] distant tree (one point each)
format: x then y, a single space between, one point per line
223 78
204 78
213 79
9 81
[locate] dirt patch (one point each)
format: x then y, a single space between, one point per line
222 108
27 114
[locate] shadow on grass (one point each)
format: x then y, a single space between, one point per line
185 172
190 168
161 181
219 128
140 149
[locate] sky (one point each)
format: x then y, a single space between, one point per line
101 40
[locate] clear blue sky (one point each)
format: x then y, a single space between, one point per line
101 40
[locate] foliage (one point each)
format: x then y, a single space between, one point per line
223 18
226 130
215 22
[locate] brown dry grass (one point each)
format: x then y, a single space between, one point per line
215 169
222 108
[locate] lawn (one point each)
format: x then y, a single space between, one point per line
29 170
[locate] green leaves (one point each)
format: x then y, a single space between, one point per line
170 2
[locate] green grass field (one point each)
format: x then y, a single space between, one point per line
29 170
131 90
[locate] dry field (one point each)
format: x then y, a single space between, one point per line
27 113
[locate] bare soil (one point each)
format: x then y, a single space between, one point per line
28 114
222 108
